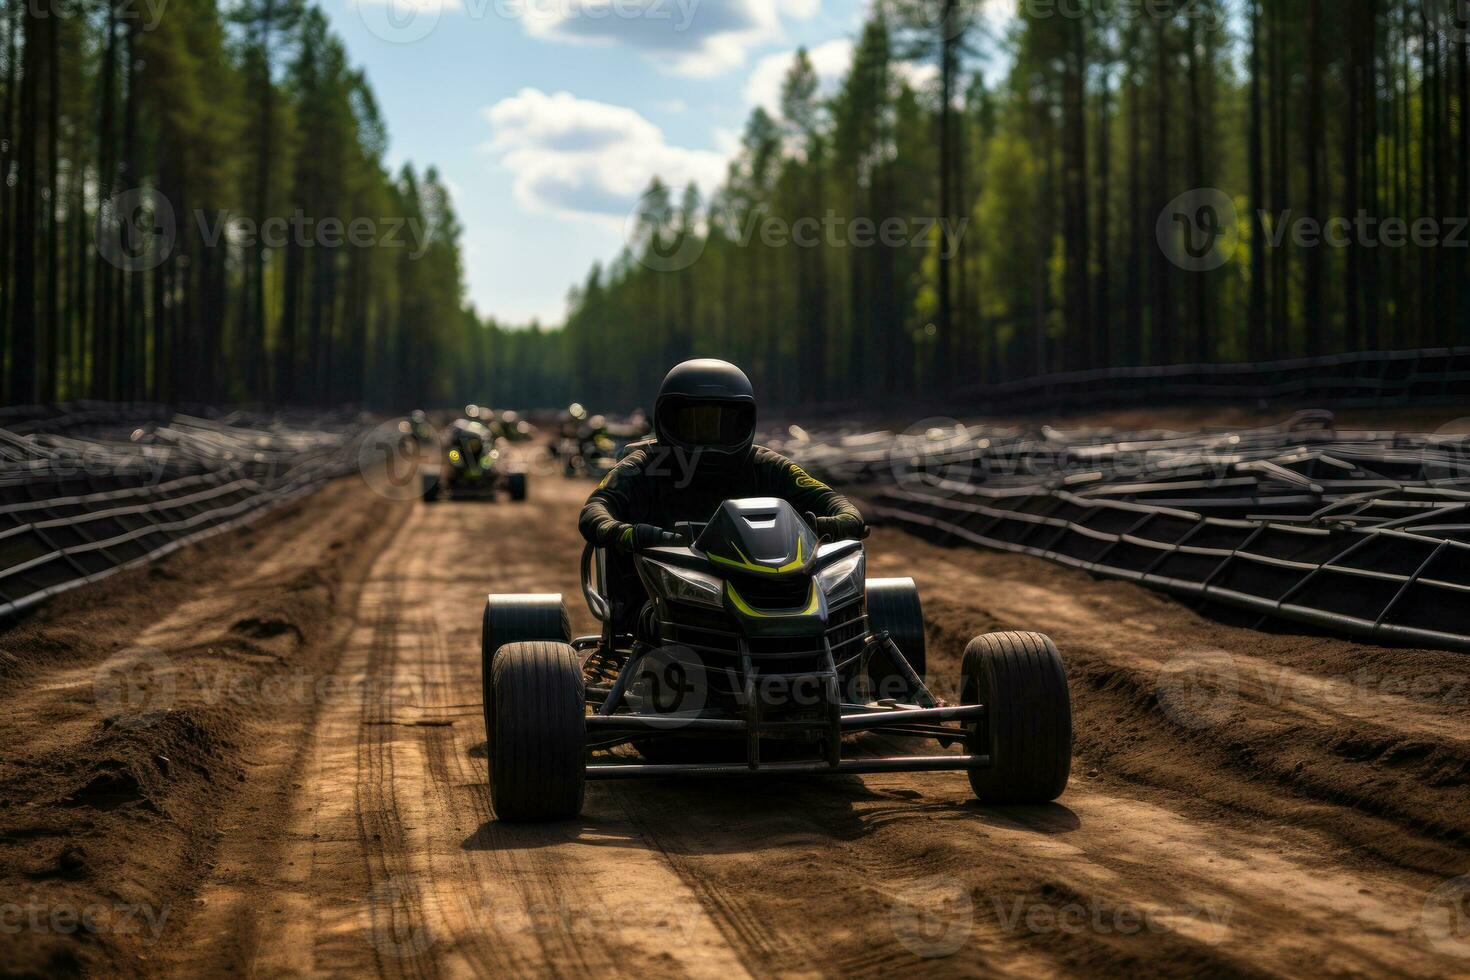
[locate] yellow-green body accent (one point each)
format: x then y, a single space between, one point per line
745 564
748 610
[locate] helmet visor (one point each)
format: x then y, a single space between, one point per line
717 424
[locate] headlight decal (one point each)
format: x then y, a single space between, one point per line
684 585
843 578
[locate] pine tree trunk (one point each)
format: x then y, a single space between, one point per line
103 304
950 37
131 364
9 226
1163 314
1131 348
1462 210
23 354
1199 332
1256 322
1280 328
51 339
1103 349
1317 328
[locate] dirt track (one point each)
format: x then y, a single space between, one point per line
1241 803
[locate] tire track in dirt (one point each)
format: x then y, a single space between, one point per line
1191 842
173 685
408 873
465 801
403 923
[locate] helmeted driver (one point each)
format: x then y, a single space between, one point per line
704 453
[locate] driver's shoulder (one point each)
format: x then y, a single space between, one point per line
766 456
631 467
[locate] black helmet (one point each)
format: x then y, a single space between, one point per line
708 406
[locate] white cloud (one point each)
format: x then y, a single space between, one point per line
580 158
688 37
919 75
726 140
829 61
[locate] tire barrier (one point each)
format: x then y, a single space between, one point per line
138 485
1360 379
1359 533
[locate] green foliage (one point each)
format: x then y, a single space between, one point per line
920 228
341 284
1060 170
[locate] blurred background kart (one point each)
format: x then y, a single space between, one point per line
473 466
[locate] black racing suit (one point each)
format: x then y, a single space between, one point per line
653 485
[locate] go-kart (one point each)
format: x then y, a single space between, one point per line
598 445
473 467
746 646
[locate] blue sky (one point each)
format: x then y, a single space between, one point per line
547 117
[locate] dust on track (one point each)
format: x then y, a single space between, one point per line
1290 814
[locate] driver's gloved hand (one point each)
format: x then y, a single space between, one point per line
638 537
842 528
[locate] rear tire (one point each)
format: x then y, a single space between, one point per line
1027 729
893 605
516 483
430 486
538 766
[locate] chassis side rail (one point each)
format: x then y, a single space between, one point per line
865 721
912 763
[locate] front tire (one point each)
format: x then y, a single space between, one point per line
893 605
538 765
1027 728
516 484
515 619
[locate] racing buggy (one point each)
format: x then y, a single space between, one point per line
746 646
473 467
